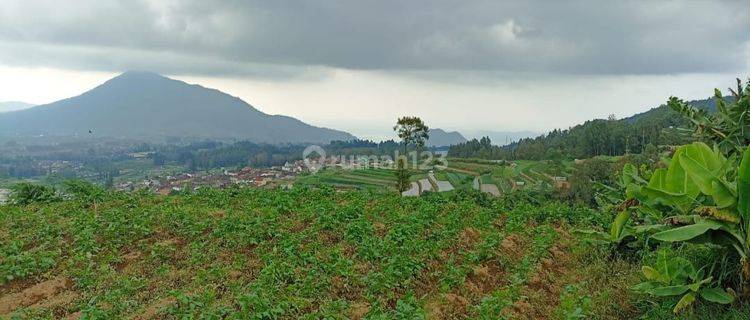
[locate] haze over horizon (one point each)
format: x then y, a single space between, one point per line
479 65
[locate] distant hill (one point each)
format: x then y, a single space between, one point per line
8 106
144 105
442 138
500 138
663 111
612 137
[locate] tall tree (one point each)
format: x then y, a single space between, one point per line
411 131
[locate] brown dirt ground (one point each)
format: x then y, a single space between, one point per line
47 293
541 296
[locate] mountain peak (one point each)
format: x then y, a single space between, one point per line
137 75
146 105
442 138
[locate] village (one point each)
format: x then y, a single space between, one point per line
282 176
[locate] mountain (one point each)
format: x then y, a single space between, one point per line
442 138
635 134
663 111
500 138
8 106
611 137
144 105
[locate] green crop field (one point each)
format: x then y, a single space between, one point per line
458 180
384 179
361 179
310 254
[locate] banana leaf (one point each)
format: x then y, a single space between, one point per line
743 187
677 179
716 295
684 302
687 232
701 164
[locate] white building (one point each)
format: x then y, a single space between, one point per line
4 194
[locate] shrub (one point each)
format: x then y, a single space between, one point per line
27 193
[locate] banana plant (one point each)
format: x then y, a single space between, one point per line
676 276
623 228
729 127
720 210
619 231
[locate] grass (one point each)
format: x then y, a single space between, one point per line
304 253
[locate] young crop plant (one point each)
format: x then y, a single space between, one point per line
676 276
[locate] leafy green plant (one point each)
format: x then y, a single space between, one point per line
677 277
722 215
729 127
619 231
574 303
27 193
85 191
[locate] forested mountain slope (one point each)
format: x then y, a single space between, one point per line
611 137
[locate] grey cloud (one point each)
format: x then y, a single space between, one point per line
279 38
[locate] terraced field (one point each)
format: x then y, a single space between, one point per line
459 180
361 179
301 254
505 176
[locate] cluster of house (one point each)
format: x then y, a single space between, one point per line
57 166
247 176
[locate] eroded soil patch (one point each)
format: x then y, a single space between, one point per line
43 291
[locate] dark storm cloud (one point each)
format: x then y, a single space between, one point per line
280 38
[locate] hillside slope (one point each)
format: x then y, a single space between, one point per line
611 137
8 106
149 106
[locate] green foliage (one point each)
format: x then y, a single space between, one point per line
245 253
403 175
599 137
676 276
743 188
729 128
85 191
411 131
27 193
574 303
586 175
619 231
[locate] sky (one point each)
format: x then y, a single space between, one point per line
358 65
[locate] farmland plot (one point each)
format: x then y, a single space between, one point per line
252 253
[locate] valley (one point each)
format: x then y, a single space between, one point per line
194 227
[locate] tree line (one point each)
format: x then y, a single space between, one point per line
599 137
